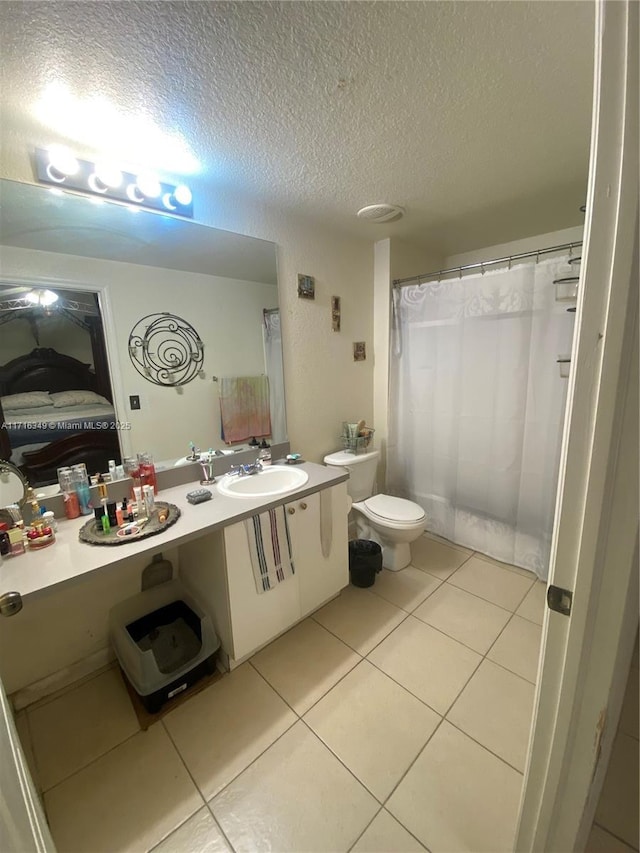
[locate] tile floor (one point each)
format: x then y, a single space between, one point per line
394 719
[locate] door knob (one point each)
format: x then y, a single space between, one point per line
303 505
10 603
291 510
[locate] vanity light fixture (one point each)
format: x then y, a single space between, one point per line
58 166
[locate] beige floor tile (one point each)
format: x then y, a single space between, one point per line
374 727
465 617
222 730
80 725
385 835
495 709
435 557
617 810
296 797
406 589
199 834
630 714
526 573
458 796
601 841
359 619
129 799
433 667
495 583
304 664
534 603
518 648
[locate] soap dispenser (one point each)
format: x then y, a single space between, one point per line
264 454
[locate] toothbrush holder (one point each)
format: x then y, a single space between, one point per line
208 478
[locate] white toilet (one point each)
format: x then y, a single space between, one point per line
391 522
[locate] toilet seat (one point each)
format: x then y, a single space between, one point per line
394 511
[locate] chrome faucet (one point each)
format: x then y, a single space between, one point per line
246 469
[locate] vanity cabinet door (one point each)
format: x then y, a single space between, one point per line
256 617
318 526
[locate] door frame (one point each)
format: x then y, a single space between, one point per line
585 657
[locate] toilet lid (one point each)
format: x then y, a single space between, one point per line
395 509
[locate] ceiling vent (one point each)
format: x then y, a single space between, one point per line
380 212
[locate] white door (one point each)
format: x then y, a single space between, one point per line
23 828
594 551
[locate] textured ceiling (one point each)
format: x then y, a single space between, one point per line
474 116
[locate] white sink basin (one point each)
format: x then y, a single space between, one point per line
271 481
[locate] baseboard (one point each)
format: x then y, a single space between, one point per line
45 688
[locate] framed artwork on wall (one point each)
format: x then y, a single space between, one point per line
359 351
335 313
306 287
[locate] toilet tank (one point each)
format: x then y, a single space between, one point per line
362 471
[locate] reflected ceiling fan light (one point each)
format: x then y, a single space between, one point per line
43 298
149 185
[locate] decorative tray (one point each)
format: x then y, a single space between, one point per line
153 526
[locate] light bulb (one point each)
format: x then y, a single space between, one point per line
149 185
182 194
108 174
62 160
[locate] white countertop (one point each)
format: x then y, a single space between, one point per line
69 558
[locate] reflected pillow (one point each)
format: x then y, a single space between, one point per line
26 400
62 399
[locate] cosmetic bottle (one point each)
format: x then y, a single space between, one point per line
50 521
137 492
112 515
112 470
264 454
149 500
106 527
147 471
67 486
80 481
99 512
17 542
5 544
132 469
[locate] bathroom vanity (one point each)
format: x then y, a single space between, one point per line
68 588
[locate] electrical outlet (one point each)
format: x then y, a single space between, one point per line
134 402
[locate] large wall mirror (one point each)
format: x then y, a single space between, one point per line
76 276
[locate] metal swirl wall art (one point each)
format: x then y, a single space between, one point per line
165 349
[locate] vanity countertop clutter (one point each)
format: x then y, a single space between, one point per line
69 558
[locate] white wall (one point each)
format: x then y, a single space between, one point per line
528 244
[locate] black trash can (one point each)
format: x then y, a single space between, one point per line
365 560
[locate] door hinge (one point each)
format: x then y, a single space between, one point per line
559 599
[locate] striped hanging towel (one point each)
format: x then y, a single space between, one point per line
270 548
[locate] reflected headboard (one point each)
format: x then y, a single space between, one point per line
44 369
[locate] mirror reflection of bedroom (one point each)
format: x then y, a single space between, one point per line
56 402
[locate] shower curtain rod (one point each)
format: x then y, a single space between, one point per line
437 274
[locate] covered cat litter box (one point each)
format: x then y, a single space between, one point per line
164 642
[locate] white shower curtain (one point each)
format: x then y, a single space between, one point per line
477 407
275 371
